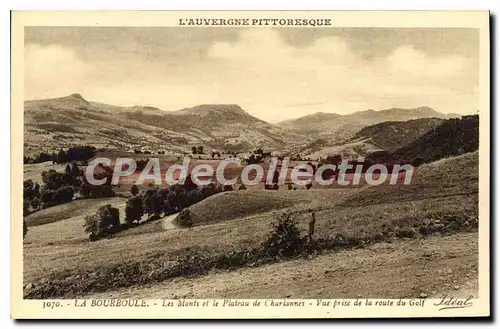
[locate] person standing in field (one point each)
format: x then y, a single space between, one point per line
312 223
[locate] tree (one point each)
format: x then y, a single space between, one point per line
194 196
30 190
181 198
194 150
171 200
26 208
134 209
104 222
152 203
54 180
134 190
63 194
47 197
75 171
200 149
61 157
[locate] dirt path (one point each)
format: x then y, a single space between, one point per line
168 222
402 269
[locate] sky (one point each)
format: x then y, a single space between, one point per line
273 74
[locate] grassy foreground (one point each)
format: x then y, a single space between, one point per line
61 263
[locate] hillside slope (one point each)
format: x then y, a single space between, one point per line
335 127
452 138
384 136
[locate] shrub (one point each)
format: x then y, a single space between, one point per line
285 239
185 218
104 222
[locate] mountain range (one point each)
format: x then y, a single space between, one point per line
55 123
72 120
336 127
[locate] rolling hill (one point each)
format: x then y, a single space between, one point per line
452 138
336 127
62 122
385 136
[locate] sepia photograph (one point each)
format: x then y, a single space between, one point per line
243 160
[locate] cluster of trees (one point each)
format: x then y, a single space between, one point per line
57 188
76 153
153 202
88 190
136 151
257 156
60 187
105 221
197 150
297 157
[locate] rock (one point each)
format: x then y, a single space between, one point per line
423 295
29 286
456 287
450 271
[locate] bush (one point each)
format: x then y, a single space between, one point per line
104 222
285 239
185 218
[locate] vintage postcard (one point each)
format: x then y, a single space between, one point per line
246 164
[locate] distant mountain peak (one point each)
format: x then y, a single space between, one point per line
76 95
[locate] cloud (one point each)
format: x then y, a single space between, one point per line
329 72
264 74
408 60
52 71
